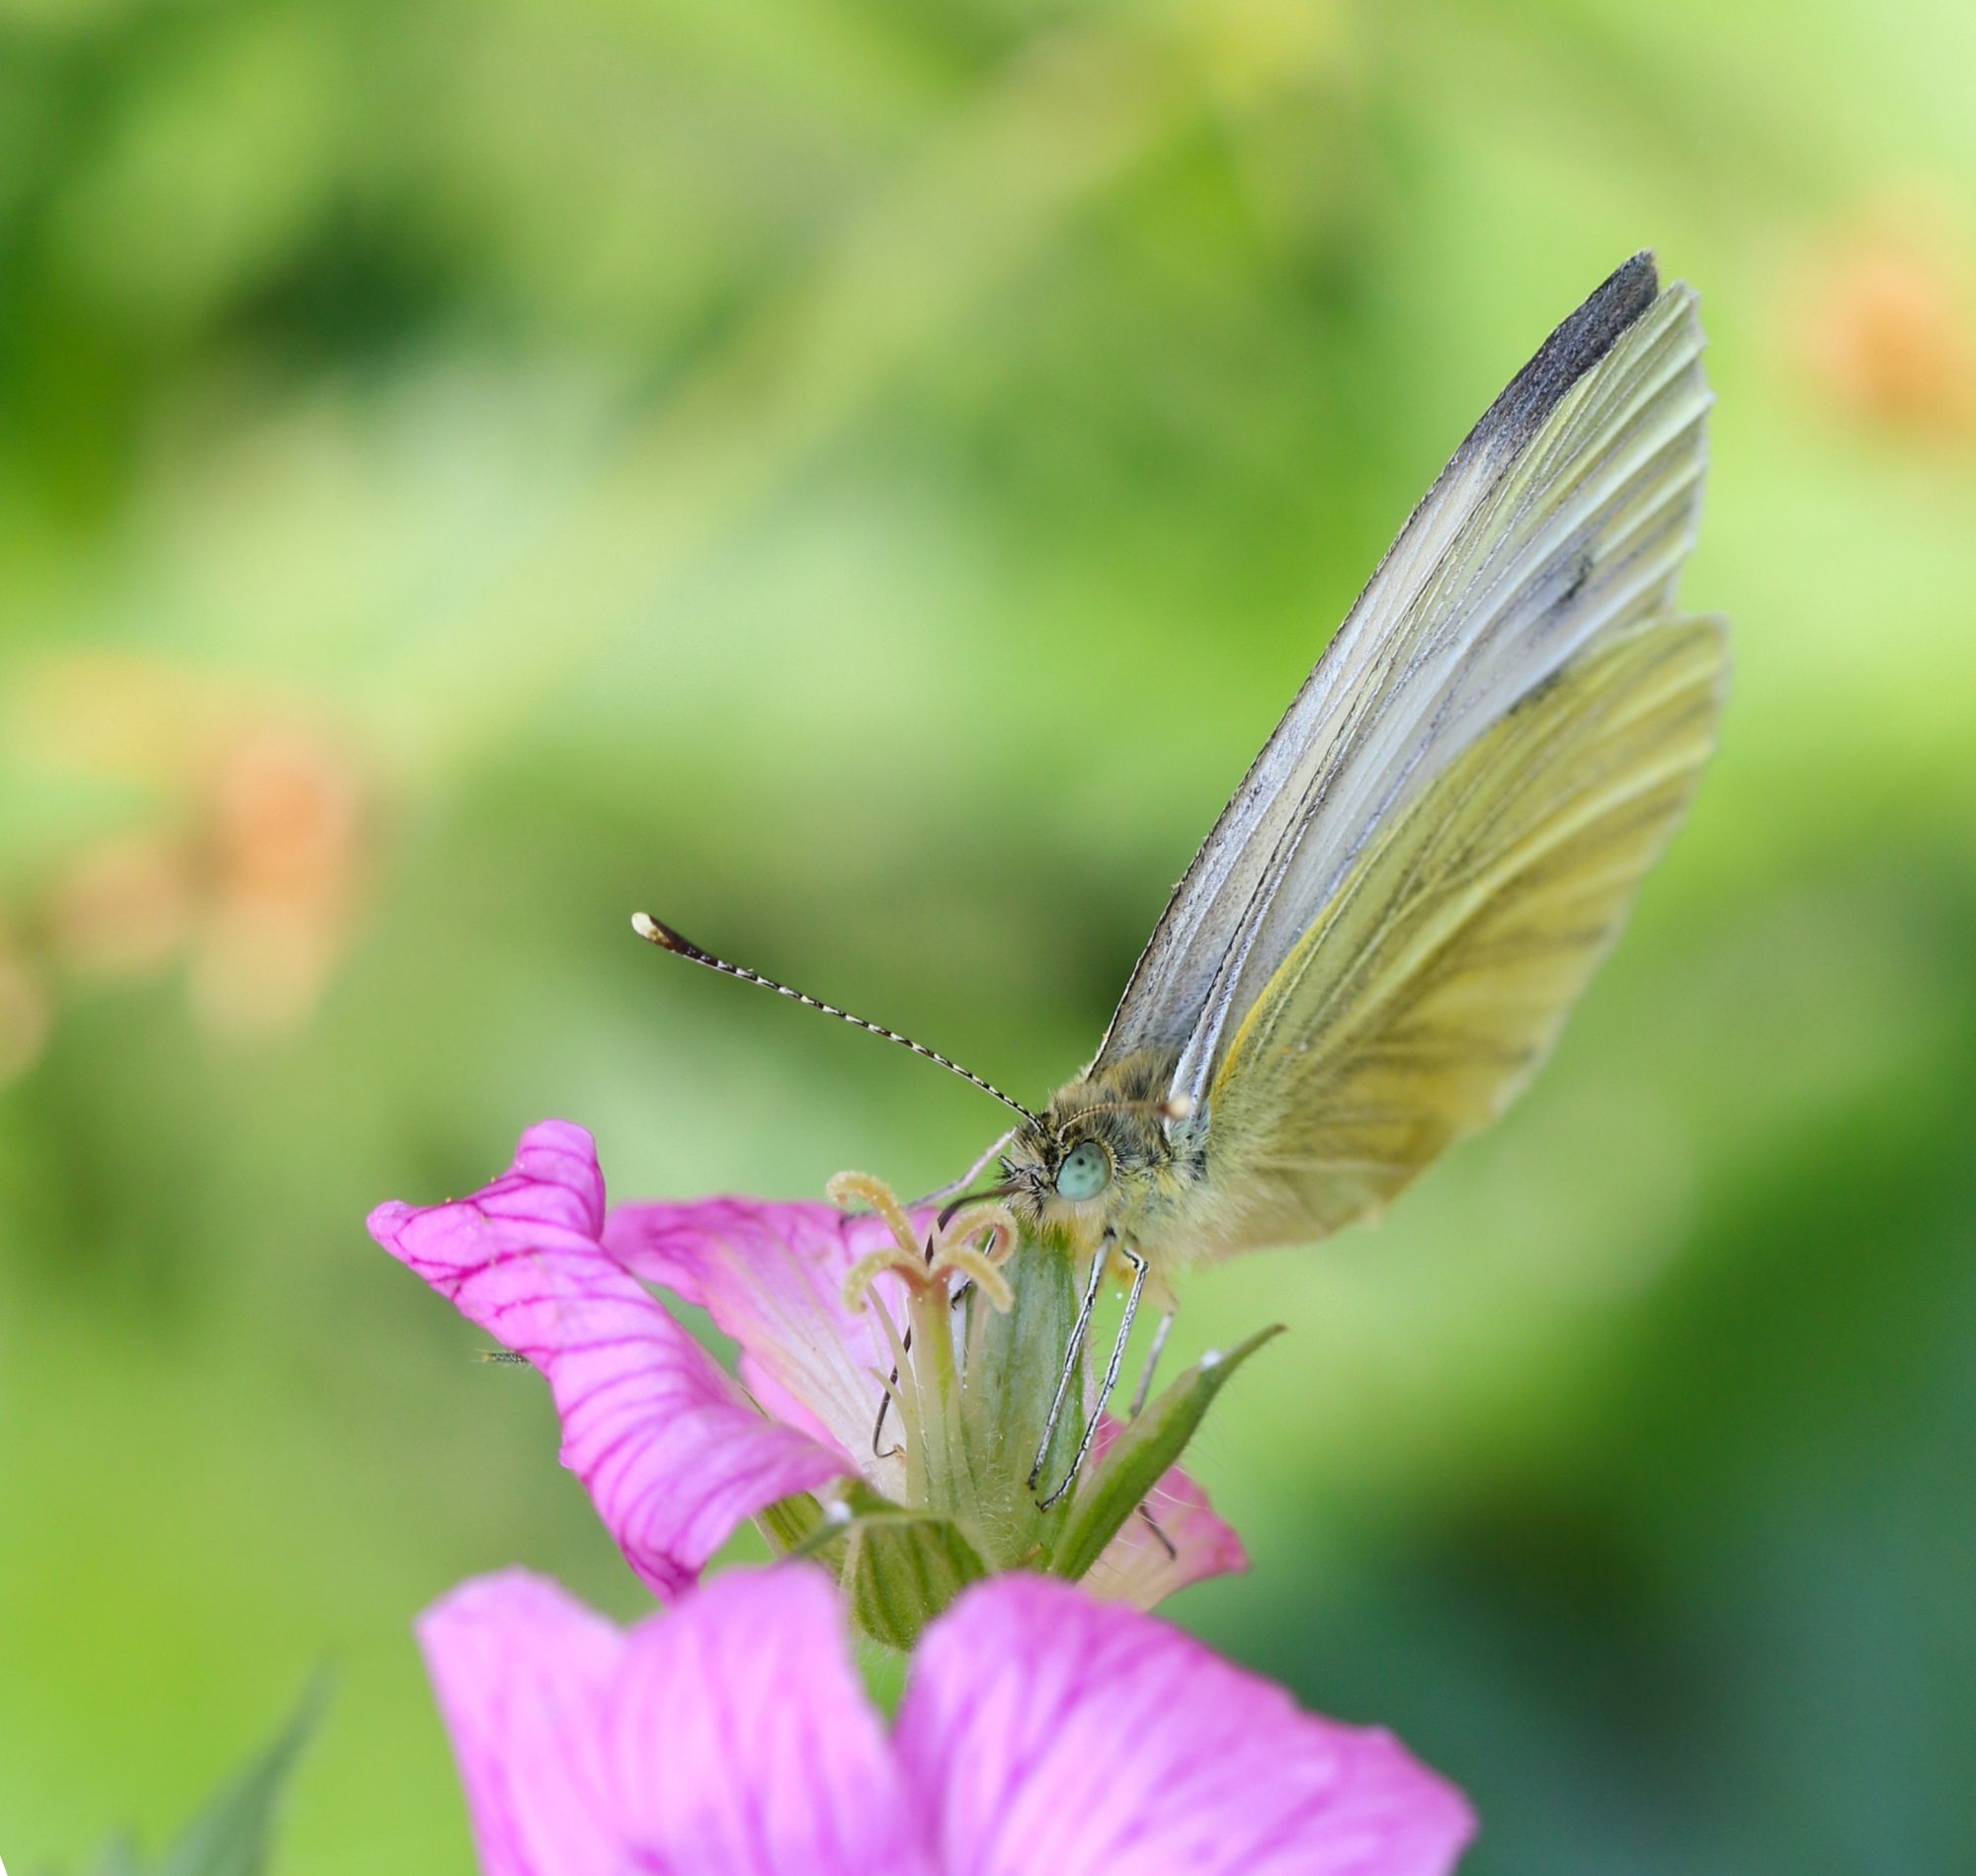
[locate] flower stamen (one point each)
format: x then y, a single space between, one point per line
857 1281
980 1264
979 1270
997 1220
862 1189
930 1339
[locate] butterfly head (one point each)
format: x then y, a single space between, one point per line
1086 1161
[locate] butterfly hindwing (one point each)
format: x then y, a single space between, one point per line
1433 982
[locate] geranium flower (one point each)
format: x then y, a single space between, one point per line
1040 1731
676 1452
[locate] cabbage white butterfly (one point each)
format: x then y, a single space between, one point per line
1380 937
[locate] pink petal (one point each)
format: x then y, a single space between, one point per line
1136 1567
1048 1732
521 1669
729 1737
743 1744
772 1275
671 1450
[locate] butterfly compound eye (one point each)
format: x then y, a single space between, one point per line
1086 1170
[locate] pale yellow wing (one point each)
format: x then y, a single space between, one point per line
1437 977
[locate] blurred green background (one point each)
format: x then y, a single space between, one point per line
861 478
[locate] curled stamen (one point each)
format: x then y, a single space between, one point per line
960 1253
954 1250
982 1273
997 1221
857 1281
862 1189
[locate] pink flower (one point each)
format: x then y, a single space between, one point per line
1039 1732
673 1449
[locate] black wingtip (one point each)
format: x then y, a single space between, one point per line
1628 291
1572 349
1636 267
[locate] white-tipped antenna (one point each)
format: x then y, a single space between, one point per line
667 939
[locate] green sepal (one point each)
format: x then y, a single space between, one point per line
1140 1455
795 1526
1012 1370
902 1568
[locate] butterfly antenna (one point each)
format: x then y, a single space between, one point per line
1167 1106
667 939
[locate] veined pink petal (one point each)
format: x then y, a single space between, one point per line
521 1670
772 1275
1049 1732
727 1738
668 1445
744 1745
1136 1567
1040 1731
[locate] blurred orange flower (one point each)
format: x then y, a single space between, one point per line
1887 326
250 859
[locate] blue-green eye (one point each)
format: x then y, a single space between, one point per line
1086 1170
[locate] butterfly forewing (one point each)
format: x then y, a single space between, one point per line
1559 526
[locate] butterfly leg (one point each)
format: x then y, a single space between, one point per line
884 1403
1111 1367
1140 1393
1145 1386
1072 1354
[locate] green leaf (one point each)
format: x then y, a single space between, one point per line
1141 1454
119 1859
904 1567
232 1835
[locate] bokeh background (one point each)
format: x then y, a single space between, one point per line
861 478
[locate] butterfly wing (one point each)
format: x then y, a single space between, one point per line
1435 980
1559 526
